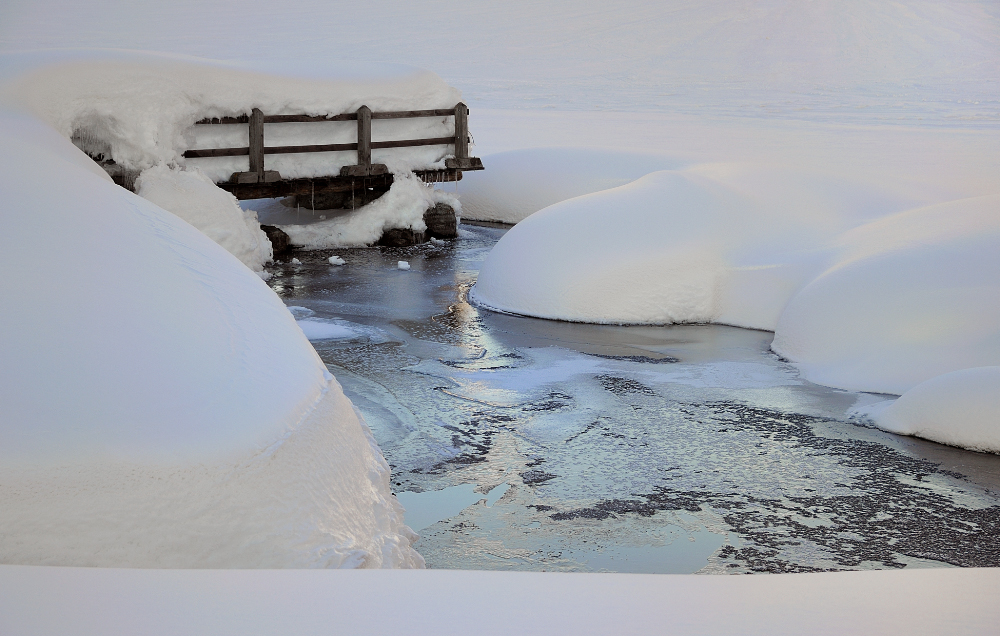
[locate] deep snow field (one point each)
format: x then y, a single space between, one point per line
828 172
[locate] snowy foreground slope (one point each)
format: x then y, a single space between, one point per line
160 407
109 602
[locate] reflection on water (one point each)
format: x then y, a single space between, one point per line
427 508
518 443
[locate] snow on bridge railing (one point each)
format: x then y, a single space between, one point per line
364 116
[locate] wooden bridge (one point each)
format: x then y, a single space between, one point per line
368 179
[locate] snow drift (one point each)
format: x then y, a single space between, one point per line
714 243
909 297
961 408
140 109
195 198
161 407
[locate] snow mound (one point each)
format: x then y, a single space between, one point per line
961 408
910 297
160 406
140 110
403 206
191 195
727 243
318 497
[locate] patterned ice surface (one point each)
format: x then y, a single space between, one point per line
542 445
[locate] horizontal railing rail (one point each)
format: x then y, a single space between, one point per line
292 119
288 150
256 148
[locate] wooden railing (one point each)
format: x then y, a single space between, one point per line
364 146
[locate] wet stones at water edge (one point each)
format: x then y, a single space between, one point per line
441 224
280 243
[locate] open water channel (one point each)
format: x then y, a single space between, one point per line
527 444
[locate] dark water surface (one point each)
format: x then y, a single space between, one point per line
526 444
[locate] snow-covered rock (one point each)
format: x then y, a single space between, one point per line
160 406
961 408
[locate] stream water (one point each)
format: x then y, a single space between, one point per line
527 444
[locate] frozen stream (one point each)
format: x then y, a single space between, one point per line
527 444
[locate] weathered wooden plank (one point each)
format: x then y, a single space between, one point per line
468 163
372 169
269 176
216 152
283 150
287 187
257 142
291 150
406 114
364 136
291 119
461 131
406 143
242 119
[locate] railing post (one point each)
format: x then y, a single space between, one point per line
364 136
257 144
461 132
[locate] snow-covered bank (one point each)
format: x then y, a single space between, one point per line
108 602
160 405
961 408
139 108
